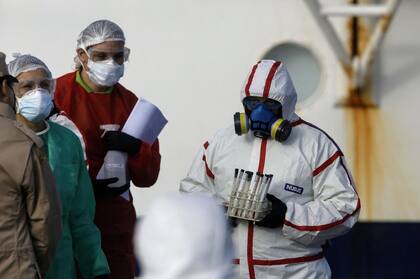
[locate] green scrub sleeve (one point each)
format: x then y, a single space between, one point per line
86 236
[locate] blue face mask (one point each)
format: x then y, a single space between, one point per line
262 117
261 120
35 105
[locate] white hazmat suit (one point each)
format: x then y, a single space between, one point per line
310 177
185 236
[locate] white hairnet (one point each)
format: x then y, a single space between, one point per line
25 63
98 32
185 236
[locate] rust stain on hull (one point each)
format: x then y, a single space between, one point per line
357 41
365 131
364 123
386 191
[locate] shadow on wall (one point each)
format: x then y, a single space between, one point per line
404 71
376 250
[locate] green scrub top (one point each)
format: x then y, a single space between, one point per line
81 239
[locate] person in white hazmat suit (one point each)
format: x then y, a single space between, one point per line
312 193
185 236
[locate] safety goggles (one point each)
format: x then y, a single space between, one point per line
118 56
251 102
24 86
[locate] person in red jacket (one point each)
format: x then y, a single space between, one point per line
92 97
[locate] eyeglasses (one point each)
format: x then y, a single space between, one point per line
24 86
118 56
251 103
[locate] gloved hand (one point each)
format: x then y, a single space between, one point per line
117 140
275 218
101 187
231 221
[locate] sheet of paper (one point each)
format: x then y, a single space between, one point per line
145 122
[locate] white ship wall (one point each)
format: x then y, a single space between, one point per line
191 57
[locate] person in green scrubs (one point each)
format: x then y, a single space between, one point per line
80 244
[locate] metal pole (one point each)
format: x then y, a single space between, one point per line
356 10
330 34
376 38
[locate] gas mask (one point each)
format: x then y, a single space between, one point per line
262 121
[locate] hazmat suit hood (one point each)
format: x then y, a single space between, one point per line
270 79
185 236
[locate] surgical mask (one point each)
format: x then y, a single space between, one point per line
105 73
35 105
264 123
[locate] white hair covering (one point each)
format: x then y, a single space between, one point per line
26 63
98 32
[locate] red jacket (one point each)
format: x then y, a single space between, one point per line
89 110
115 216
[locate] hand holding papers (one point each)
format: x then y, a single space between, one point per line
145 122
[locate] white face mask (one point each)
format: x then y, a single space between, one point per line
35 105
105 73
